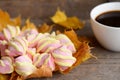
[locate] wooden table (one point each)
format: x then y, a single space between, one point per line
106 67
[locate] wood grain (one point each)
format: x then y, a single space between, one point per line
42 9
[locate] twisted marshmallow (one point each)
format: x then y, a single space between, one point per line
66 41
2 37
63 58
48 44
10 32
6 65
33 39
23 66
44 58
29 32
31 52
17 46
3 47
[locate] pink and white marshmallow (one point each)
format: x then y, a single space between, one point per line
34 39
17 46
6 65
63 58
31 52
66 41
24 66
11 32
3 47
2 37
48 44
44 59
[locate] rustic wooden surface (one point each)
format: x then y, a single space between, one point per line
41 9
106 67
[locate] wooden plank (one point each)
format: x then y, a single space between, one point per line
45 8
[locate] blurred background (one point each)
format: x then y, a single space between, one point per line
42 9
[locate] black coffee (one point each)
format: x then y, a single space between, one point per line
111 18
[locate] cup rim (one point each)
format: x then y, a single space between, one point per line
106 26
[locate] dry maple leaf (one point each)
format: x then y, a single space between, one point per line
17 21
68 22
83 50
72 23
84 39
43 71
15 76
5 19
73 37
4 77
82 54
29 25
45 28
59 16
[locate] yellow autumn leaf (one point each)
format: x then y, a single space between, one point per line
72 23
29 25
59 16
68 22
5 19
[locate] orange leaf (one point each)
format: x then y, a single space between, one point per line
17 21
83 49
4 77
29 25
15 76
5 19
73 37
43 71
84 39
82 54
45 28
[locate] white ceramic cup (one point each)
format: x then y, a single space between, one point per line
108 37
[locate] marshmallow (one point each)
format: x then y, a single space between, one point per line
63 58
48 44
66 41
17 46
11 32
44 59
6 65
23 66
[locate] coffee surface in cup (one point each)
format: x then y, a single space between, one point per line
111 18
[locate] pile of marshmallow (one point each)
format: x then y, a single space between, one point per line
25 51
